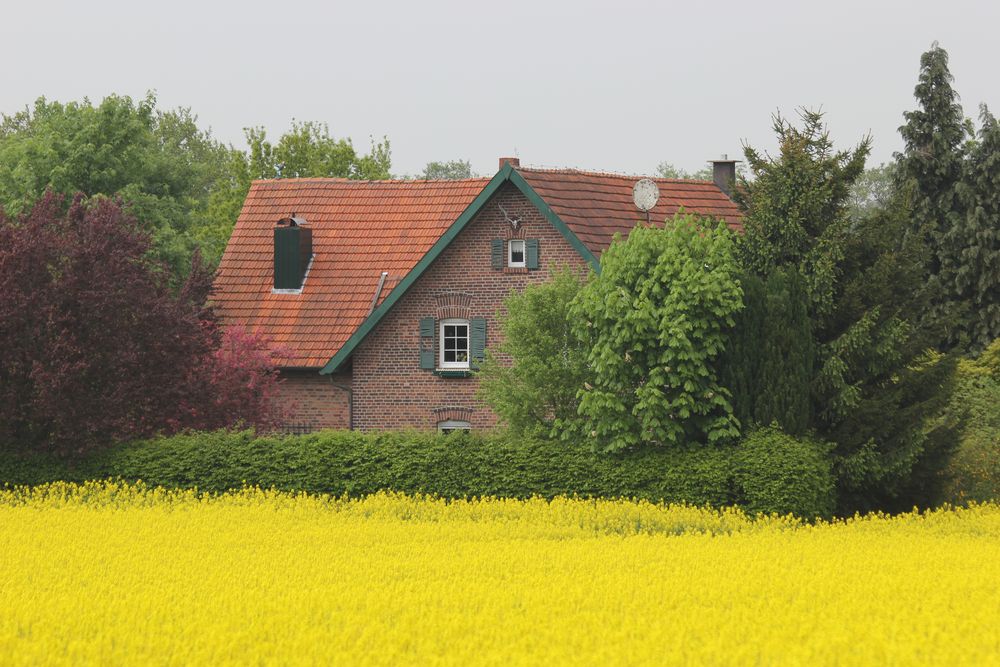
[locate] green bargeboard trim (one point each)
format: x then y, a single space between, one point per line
507 173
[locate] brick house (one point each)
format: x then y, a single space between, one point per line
382 295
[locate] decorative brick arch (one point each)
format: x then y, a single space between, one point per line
454 304
452 413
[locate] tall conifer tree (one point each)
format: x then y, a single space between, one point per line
930 168
863 278
976 235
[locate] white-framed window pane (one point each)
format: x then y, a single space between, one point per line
452 425
454 344
515 253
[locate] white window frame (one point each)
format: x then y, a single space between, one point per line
510 254
452 425
454 365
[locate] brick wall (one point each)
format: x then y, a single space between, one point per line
318 401
390 389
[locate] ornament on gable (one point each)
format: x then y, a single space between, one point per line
514 221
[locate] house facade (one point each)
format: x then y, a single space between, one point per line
381 296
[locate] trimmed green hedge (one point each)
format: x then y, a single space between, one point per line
778 473
345 462
452 466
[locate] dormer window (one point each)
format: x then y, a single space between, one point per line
292 255
516 254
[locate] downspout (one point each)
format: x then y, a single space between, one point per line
350 402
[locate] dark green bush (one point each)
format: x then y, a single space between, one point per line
356 464
775 472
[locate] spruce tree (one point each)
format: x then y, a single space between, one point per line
930 168
863 284
976 235
768 362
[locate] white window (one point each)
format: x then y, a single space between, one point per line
515 253
454 344
452 425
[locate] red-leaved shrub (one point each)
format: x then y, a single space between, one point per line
96 347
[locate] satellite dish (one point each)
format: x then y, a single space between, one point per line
645 194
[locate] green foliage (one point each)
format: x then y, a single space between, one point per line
975 237
930 168
184 187
653 321
973 473
890 450
308 150
776 473
795 204
873 190
667 170
353 463
452 170
531 380
768 361
159 162
864 277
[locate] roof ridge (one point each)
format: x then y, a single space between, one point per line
606 174
394 181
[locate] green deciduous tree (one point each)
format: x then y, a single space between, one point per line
531 381
668 170
308 150
654 322
451 170
873 190
182 186
160 163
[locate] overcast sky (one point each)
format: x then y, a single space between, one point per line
616 86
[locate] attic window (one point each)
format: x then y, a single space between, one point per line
515 253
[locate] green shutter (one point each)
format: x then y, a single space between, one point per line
427 343
477 340
496 254
531 250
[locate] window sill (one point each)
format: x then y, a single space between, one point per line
452 373
515 269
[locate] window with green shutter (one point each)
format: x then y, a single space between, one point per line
496 254
477 340
427 343
531 246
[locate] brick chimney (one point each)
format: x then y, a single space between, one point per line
513 161
724 174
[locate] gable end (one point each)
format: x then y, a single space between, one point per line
505 175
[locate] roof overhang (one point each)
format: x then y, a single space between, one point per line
507 174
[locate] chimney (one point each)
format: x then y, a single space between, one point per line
724 174
513 161
292 253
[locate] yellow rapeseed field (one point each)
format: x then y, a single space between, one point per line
112 574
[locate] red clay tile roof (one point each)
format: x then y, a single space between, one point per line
360 228
597 205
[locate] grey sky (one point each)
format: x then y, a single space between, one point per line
616 86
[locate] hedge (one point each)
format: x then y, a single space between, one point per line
451 466
775 472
